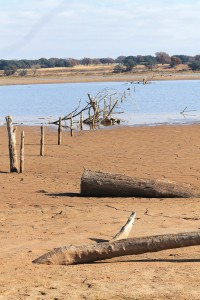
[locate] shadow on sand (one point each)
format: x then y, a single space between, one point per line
65 195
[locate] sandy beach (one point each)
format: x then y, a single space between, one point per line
101 73
41 209
94 78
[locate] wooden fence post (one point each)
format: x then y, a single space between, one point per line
89 114
81 121
42 141
71 125
12 145
110 105
104 109
22 153
60 131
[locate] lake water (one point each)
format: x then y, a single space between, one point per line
159 102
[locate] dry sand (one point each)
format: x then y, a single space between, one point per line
99 73
89 77
41 209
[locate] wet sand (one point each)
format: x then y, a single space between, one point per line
41 209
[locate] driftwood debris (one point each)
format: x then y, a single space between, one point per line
70 255
126 229
98 110
12 144
99 184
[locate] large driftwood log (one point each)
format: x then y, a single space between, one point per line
69 255
98 184
12 145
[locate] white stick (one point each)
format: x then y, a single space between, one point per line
125 230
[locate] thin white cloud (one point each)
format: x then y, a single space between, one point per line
99 28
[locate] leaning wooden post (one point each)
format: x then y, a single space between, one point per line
89 115
81 121
42 141
110 105
104 109
71 125
12 145
60 131
22 153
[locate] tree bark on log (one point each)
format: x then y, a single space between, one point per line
12 145
98 184
70 255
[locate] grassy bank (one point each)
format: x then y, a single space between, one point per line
98 73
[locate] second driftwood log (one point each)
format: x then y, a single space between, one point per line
70 255
99 184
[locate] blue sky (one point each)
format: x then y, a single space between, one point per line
98 28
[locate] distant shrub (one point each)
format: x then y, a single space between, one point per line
195 65
118 69
23 72
175 61
10 70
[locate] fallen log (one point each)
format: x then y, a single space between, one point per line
70 255
98 184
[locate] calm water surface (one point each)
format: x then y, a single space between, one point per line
156 103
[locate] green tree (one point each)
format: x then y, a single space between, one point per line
107 60
120 59
140 59
195 65
86 61
129 63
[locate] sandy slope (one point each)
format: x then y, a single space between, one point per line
41 209
54 78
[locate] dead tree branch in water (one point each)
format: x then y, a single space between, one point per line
101 106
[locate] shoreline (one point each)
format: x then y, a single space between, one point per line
4 81
116 127
86 128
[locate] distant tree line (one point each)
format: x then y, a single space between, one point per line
124 63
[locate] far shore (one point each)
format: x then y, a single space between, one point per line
84 78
